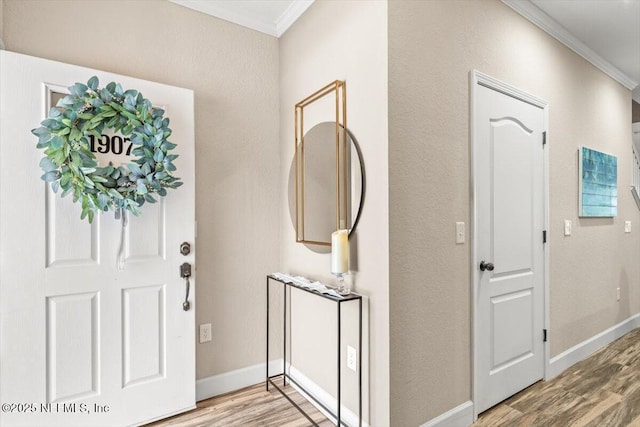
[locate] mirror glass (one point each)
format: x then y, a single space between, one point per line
319 196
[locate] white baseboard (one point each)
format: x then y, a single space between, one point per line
245 377
460 416
312 389
575 354
235 380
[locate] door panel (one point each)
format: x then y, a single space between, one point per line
81 330
73 354
68 241
511 184
509 194
144 350
511 323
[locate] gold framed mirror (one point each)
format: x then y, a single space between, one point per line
321 165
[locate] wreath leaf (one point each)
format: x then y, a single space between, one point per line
70 165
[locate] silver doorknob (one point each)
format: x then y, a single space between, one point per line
486 266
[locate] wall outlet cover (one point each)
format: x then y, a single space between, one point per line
205 333
352 361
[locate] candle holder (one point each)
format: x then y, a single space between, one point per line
340 259
342 288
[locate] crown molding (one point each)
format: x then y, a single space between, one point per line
557 31
224 14
291 15
276 29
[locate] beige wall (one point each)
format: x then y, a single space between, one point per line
1 22
432 47
234 73
345 40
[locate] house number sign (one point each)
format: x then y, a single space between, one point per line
114 144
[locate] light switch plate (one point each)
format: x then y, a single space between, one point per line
627 226
460 232
567 227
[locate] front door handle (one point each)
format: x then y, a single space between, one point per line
486 266
185 273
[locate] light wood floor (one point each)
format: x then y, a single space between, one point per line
249 407
601 391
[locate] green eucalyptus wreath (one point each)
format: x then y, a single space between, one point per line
70 164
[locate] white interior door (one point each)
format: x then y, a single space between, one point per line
509 199
83 342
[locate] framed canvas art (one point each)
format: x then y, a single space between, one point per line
598 183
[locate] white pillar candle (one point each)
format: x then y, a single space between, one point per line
340 252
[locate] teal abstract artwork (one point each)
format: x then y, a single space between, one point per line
598 183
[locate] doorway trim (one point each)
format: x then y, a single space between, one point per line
477 78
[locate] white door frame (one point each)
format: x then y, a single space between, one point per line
477 78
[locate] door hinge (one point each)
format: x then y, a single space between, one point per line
544 138
544 236
544 335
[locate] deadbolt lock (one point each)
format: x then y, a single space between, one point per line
185 248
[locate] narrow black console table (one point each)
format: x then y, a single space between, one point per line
351 298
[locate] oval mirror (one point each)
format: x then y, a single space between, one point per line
318 199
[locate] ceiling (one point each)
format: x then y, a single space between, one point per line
605 32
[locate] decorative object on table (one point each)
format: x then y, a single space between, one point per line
340 259
73 128
305 283
598 183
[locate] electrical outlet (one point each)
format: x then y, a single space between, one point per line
205 332
627 226
352 362
617 294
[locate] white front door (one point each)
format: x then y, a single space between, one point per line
509 196
82 341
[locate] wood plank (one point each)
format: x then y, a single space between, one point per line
251 406
602 390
